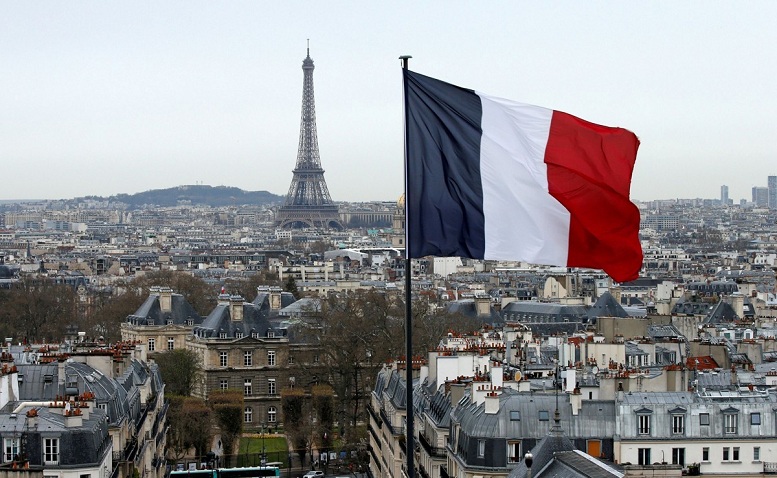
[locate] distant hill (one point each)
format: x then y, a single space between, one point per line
197 195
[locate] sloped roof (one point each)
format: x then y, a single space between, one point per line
606 306
255 322
150 312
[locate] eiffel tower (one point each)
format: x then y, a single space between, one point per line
308 203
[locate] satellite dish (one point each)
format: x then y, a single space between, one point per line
595 369
518 376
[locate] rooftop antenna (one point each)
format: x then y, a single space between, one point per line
308 46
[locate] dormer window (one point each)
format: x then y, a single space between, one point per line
643 421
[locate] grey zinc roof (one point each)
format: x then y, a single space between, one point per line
606 306
663 331
543 453
595 418
150 310
576 463
36 386
254 321
467 308
659 398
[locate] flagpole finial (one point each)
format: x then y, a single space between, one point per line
405 59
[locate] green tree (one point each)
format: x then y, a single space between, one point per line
297 421
291 286
190 423
180 369
39 309
228 411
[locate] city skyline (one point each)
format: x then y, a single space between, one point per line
103 99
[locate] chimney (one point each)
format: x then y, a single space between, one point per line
457 392
483 305
738 304
165 299
492 403
576 400
275 298
61 372
236 308
497 379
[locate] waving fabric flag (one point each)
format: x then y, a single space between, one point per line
489 178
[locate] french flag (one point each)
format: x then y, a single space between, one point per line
489 178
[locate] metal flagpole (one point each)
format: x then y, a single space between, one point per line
410 449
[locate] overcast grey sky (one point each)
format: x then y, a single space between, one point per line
100 98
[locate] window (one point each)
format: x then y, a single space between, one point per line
513 451
247 388
248 415
224 383
270 334
678 456
705 454
151 345
271 357
643 424
271 386
593 448
704 419
223 361
292 382
725 453
51 451
254 335
755 418
678 424
544 415
515 415
735 453
272 412
222 335
757 453
643 456
238 335
315 358
248 358
170 343
481 448
10 449
730 423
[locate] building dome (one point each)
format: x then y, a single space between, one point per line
401 202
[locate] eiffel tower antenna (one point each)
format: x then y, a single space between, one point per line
308 203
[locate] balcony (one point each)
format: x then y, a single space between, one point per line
770 467
374 415
434 452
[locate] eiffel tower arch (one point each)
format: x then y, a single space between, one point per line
308 203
